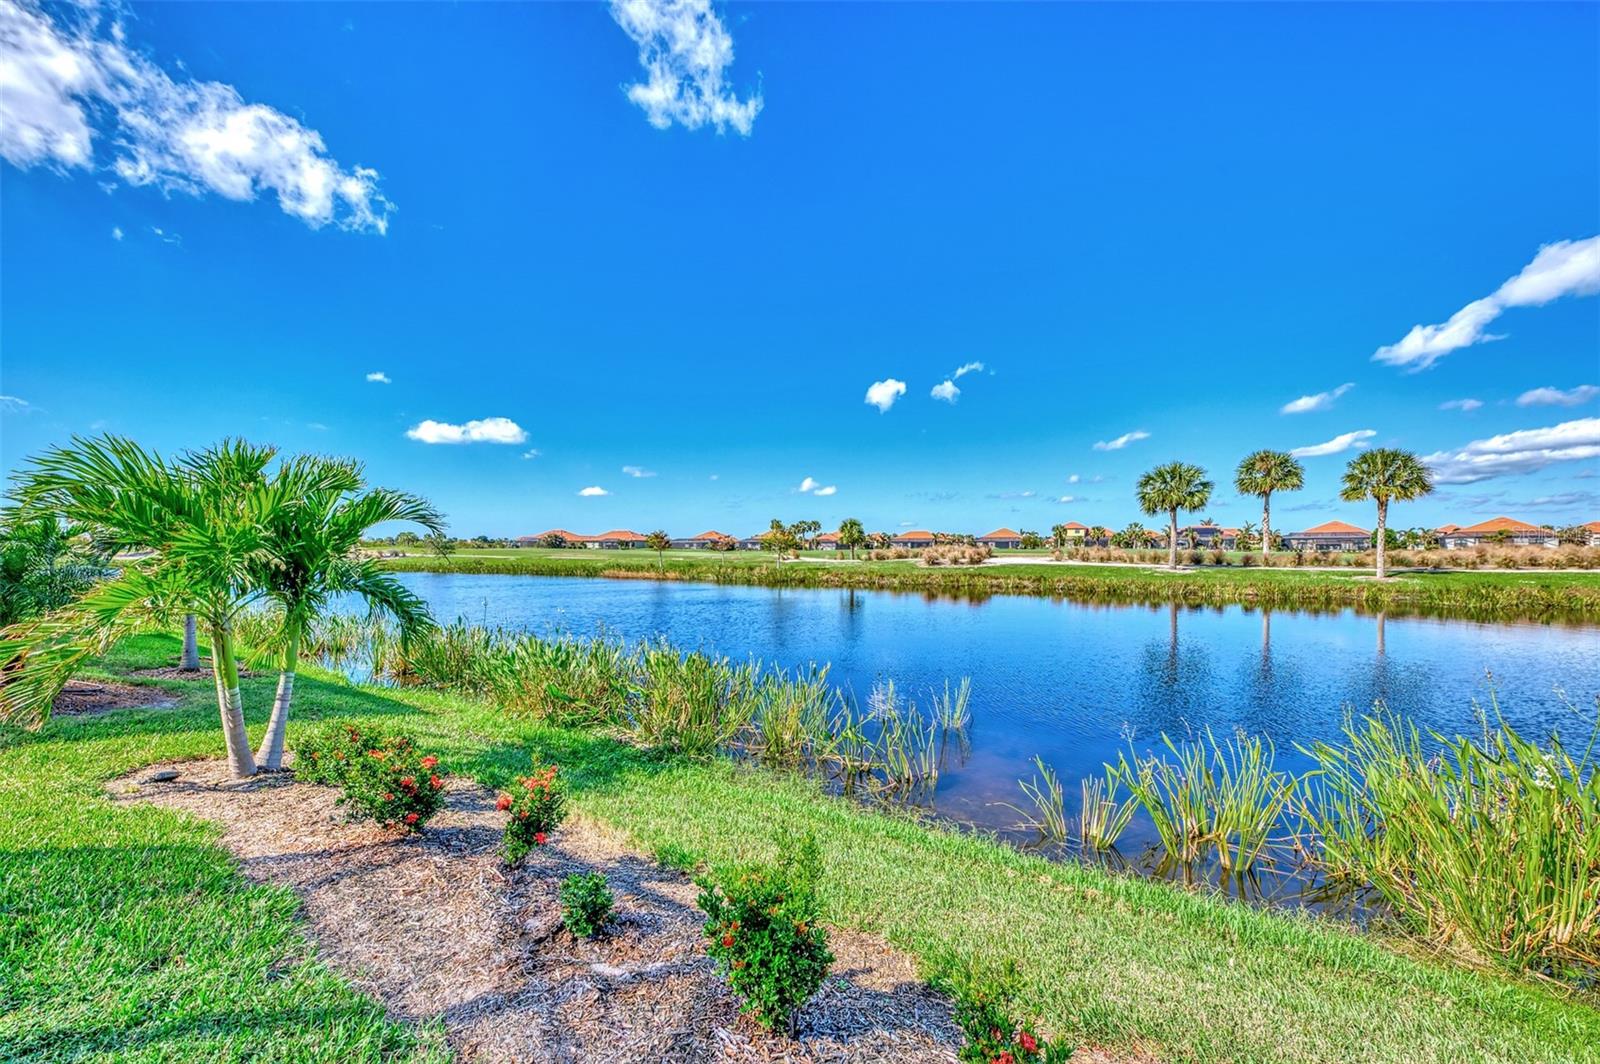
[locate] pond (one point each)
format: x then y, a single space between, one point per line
1073 682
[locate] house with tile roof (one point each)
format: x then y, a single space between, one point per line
704 541
916 538
1002 539
1330 536
1499 530
617 539
1594 533
573 539
1209 536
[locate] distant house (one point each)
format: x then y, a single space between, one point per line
1076 534
755 542
1499 530
914 539
1209 536
704 541
572 538
1594 533
617 539
1330 536
826 541
1001 539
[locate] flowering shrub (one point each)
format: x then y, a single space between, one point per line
585 903
393 782
983 1009
325 755
765 931
536 804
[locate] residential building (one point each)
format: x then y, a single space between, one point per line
1330 536
755 542
1001 539
914 539
1209 536
572 538
826 541
1076 534
704 541
1499 530
617 539
1594 533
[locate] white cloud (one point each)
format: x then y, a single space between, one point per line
116 232
970 367
1122 441
62 76
1523 451
13 405
487 430
831 489
1466 406
1068 498
532 452
379 377
1567 267
1339 443
685 51
1073 479
809 484
945 390
1556 397
1309 403
715 476
638 471
593 491
883 393
815 487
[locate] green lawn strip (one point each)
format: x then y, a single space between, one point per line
1529 594
1111 960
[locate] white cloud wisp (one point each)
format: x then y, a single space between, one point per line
685 51
882 394
1523 451
1122 441
1342 442
484 430
1307 404
1583 393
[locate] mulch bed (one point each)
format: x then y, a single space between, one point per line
435 926
85 698
172 672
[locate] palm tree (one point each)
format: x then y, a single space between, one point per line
1263 473
311 556
191 647
1385 474
204 520
659 541
1099 534
852 535
1168 489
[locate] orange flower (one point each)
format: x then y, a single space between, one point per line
435 782
409 783
503 803
411 818
388 796
430 761
538 838
727 941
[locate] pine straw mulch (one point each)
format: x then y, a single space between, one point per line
435 926
173 672
88 698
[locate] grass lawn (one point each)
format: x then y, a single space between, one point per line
1482 595
126 933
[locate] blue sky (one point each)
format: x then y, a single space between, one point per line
676 274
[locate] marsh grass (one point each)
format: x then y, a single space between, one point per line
692 703
1103 816
1046 811
792 715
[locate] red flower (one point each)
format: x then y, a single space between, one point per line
503 803
435 782
1026 1041
409 783
738 966
538 838
376 753
411 818
429 761
1005 1058
727 941
388 796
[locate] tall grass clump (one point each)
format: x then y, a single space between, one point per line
1177 795
792 716
951 707
692 703
1492 845
1048 814
1104 816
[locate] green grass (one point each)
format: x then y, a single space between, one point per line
1520 594
125 932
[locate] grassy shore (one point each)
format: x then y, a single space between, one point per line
126 933
1523 594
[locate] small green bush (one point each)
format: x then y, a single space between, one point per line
326 754
764 926
393 783
985 1010
585 903
537 805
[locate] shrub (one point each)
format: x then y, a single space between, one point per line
765 931
585 903
325 755
985 1011
537 805
393 782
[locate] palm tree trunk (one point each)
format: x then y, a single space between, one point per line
1172 541
191 647
1383 519
1266 527
229 702
271 753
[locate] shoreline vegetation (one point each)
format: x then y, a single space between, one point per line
1116 961
1524 594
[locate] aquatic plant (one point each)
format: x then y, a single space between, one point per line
691 703
1104 817
791 718
1048 815
950 708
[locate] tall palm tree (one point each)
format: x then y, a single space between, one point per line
311 556
1168 489
1099 534
191 647
851 535
204 519
1263 473
659 541
1385 474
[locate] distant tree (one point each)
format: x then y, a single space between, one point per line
1246 539
1131 537
1385 475
880 540
554 541
852 535
1170 488
1099 535
1263 473
407 539
781 539
659 541
439 544
43 566
723 543
1030 540
1500 538
1059 536
803 531
1574 536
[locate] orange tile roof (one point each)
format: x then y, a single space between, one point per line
1499 524
915 533
1074 524
1593 526
1339 527
1445 530
618 533
570 537
713 534
1002 533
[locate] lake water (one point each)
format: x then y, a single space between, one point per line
1073 682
